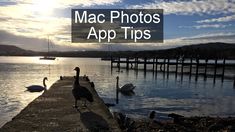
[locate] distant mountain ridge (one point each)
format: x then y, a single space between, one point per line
215 46
13 50
210 50
206 50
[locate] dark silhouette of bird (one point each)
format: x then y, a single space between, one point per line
38 88
177 118
126 89
152 115
153 122
86 78
80 92
92 84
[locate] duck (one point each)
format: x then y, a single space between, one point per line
125 89
79 92
38 88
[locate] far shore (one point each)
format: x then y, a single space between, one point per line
207 50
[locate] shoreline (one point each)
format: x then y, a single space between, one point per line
178 123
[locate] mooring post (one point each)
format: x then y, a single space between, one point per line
182 67
127 63
136 63
176 67
215 70
205 71
153 64
168 61
118 63
117 92
145 61
156 64
223 70
111 62
197 65
190 69
234 82
164 65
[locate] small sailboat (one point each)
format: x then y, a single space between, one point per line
47 57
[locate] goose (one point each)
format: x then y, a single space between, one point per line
38 88
79 92
125 89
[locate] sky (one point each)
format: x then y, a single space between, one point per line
28 23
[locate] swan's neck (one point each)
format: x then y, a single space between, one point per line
44 83
77 78
117 84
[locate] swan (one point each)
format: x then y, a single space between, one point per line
79 92
38 88
126 89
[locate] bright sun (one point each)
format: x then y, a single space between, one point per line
44 7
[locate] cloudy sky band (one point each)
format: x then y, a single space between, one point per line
24 20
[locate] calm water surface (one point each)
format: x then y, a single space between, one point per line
153 91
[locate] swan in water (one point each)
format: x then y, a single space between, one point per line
38 88
125 89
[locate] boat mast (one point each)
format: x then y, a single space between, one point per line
48 47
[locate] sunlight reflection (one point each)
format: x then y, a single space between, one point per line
46 62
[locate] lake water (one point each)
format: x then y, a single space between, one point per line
153 92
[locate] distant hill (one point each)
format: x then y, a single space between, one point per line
208 50
13 50
210 46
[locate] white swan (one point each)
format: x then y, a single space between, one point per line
38 88
126 89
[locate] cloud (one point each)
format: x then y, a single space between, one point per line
196 39
37 44
40 44
207 26
220 19
27 23
191 7
68 3
212 36
28 43
34 19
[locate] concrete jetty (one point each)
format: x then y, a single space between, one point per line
53 111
